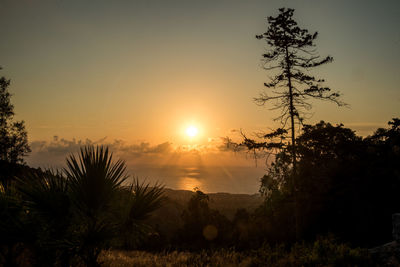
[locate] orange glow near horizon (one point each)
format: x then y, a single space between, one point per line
190 183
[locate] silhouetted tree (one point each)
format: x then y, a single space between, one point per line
290 55
203 226
13 137
347 185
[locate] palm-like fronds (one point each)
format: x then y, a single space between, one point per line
94 179
144 200
46 193
46 199
78 212
137 202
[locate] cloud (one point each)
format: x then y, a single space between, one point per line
53 154
210 166
141 149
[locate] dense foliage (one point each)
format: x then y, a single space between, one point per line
13 137
347 185
67 218
203 227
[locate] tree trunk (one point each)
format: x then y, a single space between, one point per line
291 110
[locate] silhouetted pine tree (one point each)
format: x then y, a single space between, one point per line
290 55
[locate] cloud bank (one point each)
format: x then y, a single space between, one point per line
212 167
54 153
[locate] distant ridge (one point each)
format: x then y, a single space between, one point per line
226 203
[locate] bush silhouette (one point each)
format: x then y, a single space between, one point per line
67 218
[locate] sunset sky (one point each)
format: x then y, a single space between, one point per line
137 74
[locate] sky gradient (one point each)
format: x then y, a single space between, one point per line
143 71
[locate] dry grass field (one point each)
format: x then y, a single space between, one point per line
174 259
323 252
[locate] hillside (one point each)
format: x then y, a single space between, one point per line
167 220
225 203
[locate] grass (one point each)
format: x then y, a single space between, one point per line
174 259
323 252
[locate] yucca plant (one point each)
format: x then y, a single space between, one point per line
46 193
94 181
76 212
136 204
47 203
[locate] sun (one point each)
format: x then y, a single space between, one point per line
192 131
